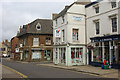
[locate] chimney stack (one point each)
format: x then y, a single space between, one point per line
20 29
54 15
83 2
6 41
3 42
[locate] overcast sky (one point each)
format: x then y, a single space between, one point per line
15 13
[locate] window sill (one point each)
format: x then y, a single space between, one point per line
76 41
35 46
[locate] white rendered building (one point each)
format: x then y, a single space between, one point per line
103 32
69 36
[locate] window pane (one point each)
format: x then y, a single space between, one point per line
75 34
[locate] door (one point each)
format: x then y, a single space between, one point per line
89 56
48 55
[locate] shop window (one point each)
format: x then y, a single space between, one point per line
97 53
47 54
114 24
35 55
75 35
76 55
35 41
48 41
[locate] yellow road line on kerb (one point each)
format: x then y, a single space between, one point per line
24 76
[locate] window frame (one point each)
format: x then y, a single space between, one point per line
97 30
97 9
48 41
34 44
76 36
114 28
113 4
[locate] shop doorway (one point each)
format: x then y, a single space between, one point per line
107 50
76 56
89 53
119 56
62 55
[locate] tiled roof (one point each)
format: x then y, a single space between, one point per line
46 27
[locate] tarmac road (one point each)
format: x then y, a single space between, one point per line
31 70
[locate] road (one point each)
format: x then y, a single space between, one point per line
31 70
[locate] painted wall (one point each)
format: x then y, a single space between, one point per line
75 10
105 11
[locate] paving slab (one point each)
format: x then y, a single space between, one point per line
110 73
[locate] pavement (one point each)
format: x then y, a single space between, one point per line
110 73
8 72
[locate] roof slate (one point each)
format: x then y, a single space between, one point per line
46 27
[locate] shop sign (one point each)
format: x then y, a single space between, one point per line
105 39
57 33
37 48
77 18
17 50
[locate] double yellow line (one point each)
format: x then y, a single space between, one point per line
24 76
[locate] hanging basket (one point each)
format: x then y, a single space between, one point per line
118 47
90 47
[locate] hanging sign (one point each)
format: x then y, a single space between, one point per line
57 33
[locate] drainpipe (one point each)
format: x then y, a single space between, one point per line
86 41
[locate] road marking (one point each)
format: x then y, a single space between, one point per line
24 76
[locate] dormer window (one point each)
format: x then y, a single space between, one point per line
38 26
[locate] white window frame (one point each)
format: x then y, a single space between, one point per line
35 41
113 2
96 27
76 36
38 24
116 24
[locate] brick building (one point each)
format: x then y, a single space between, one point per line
14 46
36 40
6 47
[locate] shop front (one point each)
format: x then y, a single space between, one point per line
69 55
105 48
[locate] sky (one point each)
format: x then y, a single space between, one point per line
16 13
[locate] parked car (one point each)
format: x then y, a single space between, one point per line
4 55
